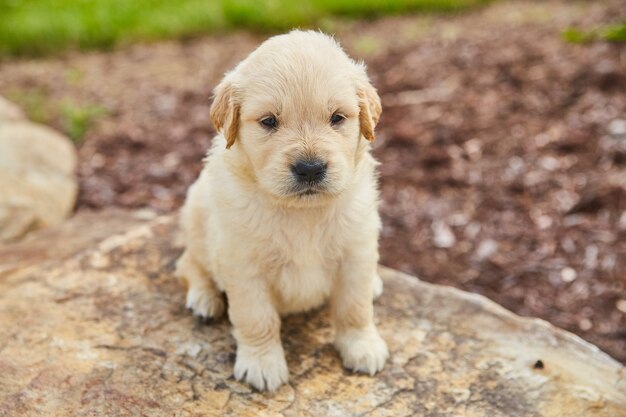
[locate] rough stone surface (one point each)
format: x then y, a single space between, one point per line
37 183
98 327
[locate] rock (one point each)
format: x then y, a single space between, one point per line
9 111
37 182
442 235
617 127
98 327
87 230
568 274
486 248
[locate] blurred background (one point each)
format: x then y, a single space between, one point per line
502 140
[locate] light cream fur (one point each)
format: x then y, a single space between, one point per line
271 249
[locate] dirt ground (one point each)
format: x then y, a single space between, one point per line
503 148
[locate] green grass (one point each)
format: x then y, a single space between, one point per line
33 102
615 33
611 33
77 118
71 117
40 27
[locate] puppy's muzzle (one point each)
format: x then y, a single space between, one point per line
309 171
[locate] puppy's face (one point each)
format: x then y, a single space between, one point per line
300 113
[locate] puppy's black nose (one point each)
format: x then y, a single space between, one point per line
309 170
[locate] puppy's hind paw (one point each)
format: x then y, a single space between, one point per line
205 302
264 369
362 351
203 297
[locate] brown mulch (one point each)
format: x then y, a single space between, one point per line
503 148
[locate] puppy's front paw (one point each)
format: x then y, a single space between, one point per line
205 302
264 369
362 350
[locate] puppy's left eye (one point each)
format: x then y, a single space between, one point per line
336 119
270 122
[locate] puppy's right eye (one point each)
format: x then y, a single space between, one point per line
269 122
336 119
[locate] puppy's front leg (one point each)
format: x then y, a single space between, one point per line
359 344
260 356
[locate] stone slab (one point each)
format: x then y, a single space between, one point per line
100 329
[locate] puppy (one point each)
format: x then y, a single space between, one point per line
284 215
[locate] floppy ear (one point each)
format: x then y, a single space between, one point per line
369 110
225 112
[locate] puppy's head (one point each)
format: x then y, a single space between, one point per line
300 113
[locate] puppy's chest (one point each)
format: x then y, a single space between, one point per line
306 259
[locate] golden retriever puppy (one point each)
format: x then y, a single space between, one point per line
284 215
